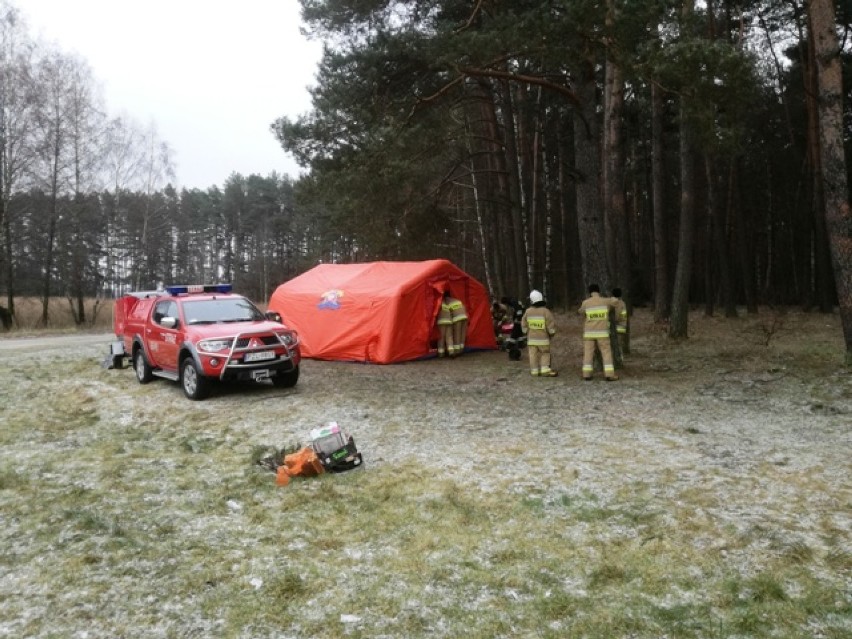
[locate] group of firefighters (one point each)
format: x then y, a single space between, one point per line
539 326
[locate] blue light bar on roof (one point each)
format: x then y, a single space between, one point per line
183 289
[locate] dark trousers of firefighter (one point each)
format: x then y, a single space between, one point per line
446 345
539 359
459 335
589 356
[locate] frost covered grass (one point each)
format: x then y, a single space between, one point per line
706 494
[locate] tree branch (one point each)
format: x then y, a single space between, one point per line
465 72
527 79
472 17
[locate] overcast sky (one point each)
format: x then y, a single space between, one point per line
212 74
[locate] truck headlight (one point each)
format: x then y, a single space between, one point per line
290 338
214 345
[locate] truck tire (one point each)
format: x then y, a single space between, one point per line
195 385
143 369
286 380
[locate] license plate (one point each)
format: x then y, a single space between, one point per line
259 356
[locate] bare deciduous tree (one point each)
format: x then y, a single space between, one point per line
16 106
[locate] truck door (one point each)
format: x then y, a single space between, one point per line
163 341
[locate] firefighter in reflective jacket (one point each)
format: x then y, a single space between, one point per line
596 310
539 325
445 327
459 315
620 317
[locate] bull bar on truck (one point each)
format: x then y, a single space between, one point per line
239 367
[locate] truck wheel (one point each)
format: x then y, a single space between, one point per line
286 380
195 385
143 369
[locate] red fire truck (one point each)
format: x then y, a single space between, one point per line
199 334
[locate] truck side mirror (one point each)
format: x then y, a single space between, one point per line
273 316
169 322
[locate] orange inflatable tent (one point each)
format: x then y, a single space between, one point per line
379 312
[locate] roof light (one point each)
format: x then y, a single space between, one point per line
183 289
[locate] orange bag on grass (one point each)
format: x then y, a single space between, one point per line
303 463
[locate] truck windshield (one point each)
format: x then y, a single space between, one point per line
220 310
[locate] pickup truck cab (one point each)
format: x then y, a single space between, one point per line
199 334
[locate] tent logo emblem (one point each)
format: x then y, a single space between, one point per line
330 299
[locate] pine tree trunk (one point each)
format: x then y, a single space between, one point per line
661 262
679 325
616 205
720 241
497 164
511 154
574 287
837 213
744 257
821 259
590 220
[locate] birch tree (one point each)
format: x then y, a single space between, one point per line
51 171
123 159
16 123
86 127
156 170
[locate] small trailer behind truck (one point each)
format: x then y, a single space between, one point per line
197 335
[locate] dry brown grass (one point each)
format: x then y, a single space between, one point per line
28 315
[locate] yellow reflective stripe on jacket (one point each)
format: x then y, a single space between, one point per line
597 313
595 334
458 311
539 325
445 316
538 342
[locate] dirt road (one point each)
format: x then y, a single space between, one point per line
54 342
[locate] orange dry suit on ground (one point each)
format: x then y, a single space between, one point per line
303 463
539 325
596 310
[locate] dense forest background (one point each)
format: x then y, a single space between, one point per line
671 148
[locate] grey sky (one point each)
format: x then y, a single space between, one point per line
212 74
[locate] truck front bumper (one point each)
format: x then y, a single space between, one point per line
256 370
